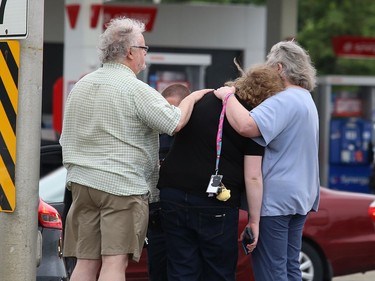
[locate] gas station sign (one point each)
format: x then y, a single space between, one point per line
144 14
354 47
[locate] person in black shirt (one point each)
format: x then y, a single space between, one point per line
201 225
174 94
156 249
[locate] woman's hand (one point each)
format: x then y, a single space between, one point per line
220 93
252 246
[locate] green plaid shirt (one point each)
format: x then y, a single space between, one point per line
112 122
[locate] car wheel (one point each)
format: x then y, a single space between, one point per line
39 246
311 264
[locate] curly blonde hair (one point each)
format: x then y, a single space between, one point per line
259 82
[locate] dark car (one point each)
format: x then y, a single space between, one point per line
51 265
339 239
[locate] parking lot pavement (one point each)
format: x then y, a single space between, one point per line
368 276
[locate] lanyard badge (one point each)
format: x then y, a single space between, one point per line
215 185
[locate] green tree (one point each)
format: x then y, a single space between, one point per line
320 21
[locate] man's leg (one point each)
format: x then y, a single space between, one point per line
85 270
76 231
113 268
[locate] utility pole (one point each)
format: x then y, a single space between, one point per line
281 21
18 223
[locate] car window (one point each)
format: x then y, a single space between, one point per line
50 159
52 174
52 186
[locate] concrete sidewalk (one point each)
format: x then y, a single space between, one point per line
368 276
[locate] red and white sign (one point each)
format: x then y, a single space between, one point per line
347 107
144 14
72 12
352 46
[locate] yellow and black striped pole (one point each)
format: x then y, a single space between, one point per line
21 73
9 69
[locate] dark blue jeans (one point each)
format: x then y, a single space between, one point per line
156 249
201 235
276 256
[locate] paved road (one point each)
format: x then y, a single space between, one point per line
368 276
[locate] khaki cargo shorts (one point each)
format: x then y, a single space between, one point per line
99 223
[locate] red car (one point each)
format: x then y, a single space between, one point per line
338 240
50 264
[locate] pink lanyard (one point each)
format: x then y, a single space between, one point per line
219 136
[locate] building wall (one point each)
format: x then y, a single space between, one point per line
220 27
54 21
202 27
53 49
241 27
224 31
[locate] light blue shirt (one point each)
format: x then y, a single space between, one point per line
289 125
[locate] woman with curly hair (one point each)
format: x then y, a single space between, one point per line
256 84
199 215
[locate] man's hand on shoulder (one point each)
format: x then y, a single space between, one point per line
197 95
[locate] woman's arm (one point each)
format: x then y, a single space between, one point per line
237 115
254 193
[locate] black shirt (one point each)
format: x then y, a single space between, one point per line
192 157
165 143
